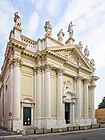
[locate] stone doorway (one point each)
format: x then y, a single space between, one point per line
26 116
67 112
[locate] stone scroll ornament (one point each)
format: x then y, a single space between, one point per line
48 28
17 20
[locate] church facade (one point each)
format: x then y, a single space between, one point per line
45 83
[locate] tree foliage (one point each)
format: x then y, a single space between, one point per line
102 104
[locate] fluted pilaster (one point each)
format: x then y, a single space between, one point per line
59 92
78 97
92 103
38 92
16 87
47 92
86 98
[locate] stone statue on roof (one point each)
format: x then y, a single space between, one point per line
48 28
60 36
92 62
17 20
70 30
86 52
80 46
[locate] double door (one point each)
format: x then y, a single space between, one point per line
67 112
26 116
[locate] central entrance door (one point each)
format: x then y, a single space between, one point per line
26 116
67 112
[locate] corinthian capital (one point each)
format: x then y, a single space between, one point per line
16 62
86 81
60 71
47 67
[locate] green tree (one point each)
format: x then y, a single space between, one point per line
102 104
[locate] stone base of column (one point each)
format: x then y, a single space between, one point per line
38 123
17 124
49 123
93 121
61 123
82 121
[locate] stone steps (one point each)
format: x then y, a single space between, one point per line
30 131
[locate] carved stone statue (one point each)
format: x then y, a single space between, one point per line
17 20
80 46
60 35
92 62
70 30
86 52
48 28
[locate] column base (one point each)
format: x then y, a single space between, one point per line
49 123
82 121
93 121
61 122
17 124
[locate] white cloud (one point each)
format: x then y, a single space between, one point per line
38 3
89 19
53 7
6 23
6 17
89 22
32 24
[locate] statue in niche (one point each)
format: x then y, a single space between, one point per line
86 52
17 20
60 35
92 62
80 46
48 28
70 30
67 85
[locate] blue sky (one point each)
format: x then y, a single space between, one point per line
87 15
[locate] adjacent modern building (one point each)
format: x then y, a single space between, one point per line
46 83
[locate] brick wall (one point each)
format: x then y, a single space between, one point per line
100 115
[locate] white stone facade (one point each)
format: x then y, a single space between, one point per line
45 84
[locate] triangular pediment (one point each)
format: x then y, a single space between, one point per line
73 56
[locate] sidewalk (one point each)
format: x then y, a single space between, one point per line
5 132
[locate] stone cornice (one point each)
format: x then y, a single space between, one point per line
66 61
49 37
56 55
28 53
11 45
27 40
76 51
61 48
18 44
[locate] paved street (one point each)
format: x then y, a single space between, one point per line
98 134
5 132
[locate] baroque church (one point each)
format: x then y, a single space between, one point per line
45 83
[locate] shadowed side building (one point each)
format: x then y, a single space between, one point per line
45 83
